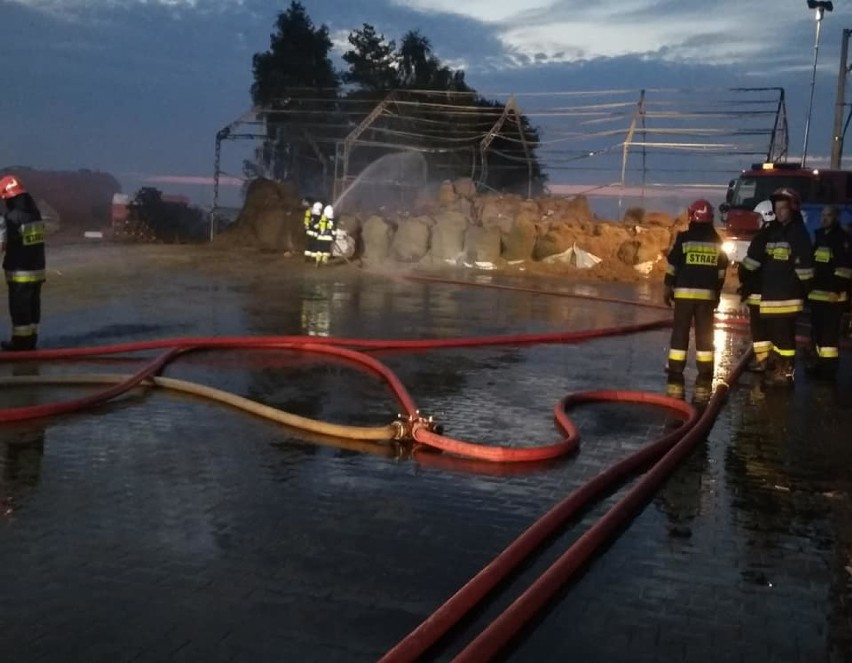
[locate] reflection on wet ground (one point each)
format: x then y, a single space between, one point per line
162 527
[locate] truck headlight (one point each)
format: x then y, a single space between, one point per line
729 247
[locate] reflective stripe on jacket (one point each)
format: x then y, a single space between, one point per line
697 264
24 242
779 266
832 265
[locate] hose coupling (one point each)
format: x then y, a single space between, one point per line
400 430
410 424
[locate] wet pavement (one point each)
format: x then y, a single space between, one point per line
166 528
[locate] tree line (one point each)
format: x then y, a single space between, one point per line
311 107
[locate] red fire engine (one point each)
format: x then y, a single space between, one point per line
817 188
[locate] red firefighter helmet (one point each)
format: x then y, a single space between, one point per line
790 195
10 186
700 211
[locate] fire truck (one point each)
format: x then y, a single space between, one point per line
817 187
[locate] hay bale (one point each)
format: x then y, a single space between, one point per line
519 243
464 187
272 219
482 244
446 194
376 235
411 241
448 236
654 239
634 215
351 223
557 239
658 219
628 252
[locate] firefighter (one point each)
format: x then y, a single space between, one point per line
307 203
325 234
750 294
779 261
828 299
312 220
693 283
22 238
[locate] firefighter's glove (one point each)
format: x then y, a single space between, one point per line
668 296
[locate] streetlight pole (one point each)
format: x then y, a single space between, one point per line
840 103
821 7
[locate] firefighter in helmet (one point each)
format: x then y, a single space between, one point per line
750 294
693 284
325 234
22 238
828 299
779 265
312 219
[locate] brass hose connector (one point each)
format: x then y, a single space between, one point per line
400 430
412 423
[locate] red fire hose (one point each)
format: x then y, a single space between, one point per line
413 426
267 342
663 454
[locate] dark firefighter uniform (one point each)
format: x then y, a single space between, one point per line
750 294
828 298
779 266
309 252
694 280
325 234
312 222
22 233
760 344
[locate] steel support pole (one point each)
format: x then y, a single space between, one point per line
840 103
820 12
216 174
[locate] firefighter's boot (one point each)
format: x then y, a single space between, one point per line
757 364
782 374
675 386
826 368
20 343
675 366
811 360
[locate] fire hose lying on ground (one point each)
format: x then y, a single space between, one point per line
657 459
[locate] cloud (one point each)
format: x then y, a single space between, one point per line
143 85
340 41
487 11
710 33
69 6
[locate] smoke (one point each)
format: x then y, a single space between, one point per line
388 185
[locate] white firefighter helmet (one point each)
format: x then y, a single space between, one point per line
767 213
328 212
317 208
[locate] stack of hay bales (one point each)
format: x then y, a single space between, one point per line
272 219
453 223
